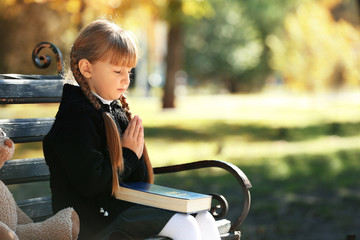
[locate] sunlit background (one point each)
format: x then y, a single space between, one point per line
269 85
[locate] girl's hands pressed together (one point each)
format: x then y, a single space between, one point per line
133 137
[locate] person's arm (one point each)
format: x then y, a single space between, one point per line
133 143
135 169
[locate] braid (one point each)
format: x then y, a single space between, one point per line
126 107
112 134
81 81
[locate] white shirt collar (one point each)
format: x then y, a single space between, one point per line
104 101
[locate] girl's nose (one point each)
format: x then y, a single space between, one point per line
126 79
8 142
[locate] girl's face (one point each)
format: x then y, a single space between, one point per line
108 80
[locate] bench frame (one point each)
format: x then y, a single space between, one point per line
26 89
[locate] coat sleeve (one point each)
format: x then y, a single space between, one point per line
135 169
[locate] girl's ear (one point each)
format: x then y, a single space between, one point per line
85 68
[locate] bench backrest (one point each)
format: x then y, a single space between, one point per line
26 89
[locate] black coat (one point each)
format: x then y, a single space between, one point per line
76 152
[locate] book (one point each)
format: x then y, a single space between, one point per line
164 197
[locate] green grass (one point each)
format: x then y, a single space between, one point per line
301 154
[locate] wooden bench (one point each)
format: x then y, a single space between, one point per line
27 89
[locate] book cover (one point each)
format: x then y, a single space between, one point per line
164 197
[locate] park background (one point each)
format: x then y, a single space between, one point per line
270 86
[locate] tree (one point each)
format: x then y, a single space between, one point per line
174 51
127 12
317 52
223 48
230 47
177 12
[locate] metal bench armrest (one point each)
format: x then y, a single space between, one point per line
231 168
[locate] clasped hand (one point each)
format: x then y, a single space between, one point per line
133 137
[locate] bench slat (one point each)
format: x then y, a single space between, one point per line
26 130
24 171
32 76
30 91
38 209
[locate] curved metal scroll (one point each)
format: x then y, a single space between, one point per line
231 168
44 61
223 206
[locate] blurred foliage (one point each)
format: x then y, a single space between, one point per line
22 26
66 17
217 50
317 52
60 20
230 46
311 44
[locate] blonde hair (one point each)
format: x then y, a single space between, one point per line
102 40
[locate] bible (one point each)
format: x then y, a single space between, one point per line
164 197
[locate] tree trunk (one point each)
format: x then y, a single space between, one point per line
173 63
231 84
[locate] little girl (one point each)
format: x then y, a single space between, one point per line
95 144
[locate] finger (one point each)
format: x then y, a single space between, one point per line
131 127
137 129
141 135
141 140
